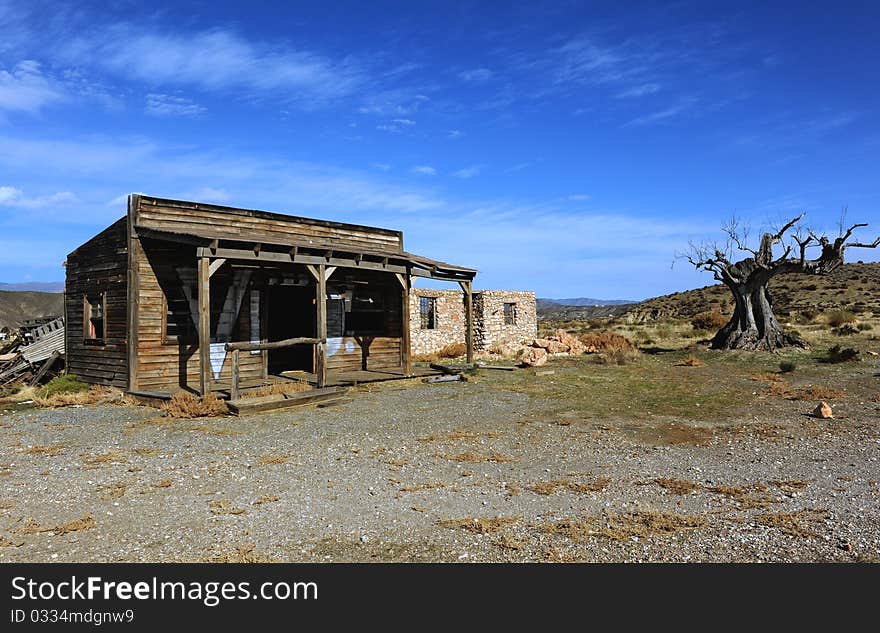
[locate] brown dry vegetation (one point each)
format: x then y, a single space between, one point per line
458 434
489 525
453 350
96 395
494 457
677 486
550 487
278 388
222 506
802 523
186 405
428 485
241 554
86 522
621 527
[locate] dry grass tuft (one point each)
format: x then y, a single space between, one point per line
677 486
621 527
222 506
96 395
267 460
505 541
113 491
52 450
458 434
241 554
550 487
185 405
291 386
781 389
267 499
86 522
710 320
428 485
747 497
690 361
489 525
91 462
793 523
163 483
790 486
476 458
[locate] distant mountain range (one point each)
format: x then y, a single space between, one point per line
584 301
34 286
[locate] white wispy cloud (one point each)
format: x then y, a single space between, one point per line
396 125
25 88
661 115
163 105
468 172
393 103
14 197
579 197
423 170
476 75
215 60
454 134
639 91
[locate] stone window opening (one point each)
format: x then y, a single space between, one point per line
428 312
509 314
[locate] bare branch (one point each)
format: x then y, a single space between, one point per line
849 231
778 235
873 244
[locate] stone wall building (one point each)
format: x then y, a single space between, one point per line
437 318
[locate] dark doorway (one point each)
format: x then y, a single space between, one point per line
290 313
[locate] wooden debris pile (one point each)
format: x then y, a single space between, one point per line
29 353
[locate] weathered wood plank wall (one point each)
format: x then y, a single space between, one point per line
100 265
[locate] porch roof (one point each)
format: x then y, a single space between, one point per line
217 243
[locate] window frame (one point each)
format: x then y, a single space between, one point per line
509 319
428 318
88 307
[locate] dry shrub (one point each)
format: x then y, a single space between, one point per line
505 541
677 486
479 526
113 491
267 499
791 485
617 357
222 506
453 350
550 487
241 554
428 485
282 388
457 434
782 389
711 320
86 522
836 318
476 458
46 451
622 527
96 395
186 405
164 483
607 342
793 523
837 354
690 361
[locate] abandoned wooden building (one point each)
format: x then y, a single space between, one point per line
209 298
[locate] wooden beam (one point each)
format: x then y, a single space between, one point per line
133 291
294 252
204 286
215 266
247 346
215 244
405 337
257 248
328 272
314 271
467 288
321 305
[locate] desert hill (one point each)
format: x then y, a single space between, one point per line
17 307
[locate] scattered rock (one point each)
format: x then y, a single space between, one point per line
534 357
823 410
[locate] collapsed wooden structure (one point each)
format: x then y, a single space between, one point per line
205 297
32 351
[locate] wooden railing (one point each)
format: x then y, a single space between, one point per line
246 346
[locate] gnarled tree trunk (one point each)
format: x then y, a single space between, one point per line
753 325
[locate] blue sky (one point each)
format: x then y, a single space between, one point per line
570 148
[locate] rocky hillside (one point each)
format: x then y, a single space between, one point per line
854 287
17 307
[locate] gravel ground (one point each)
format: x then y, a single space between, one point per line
449 472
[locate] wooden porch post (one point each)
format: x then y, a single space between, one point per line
405 351
467 288
321 305
204 283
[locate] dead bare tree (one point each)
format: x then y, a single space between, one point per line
753 325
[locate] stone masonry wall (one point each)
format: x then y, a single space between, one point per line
489 328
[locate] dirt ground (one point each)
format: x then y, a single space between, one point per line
657 460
